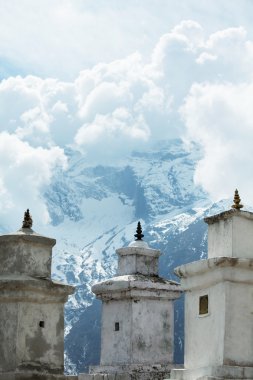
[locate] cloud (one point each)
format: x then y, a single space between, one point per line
227 38
219 117
40 111
116 134
227 53
123 103
217 113
188 35
50 112
203 57
195 85
25 173
125 93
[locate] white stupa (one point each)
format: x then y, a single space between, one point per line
137 329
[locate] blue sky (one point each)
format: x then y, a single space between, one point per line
59 38
121 74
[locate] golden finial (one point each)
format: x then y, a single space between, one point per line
237 205
27 222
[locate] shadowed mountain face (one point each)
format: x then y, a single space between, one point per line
94 211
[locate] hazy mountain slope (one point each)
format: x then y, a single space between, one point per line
95 210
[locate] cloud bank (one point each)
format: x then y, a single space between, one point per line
195 86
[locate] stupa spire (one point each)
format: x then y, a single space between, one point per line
139 235
27 222
237 205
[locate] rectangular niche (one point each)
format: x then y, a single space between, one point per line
203 305
116 326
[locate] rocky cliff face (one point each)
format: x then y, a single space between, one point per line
94 210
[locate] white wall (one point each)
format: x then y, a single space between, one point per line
220 238
153 331
231 237
238 348
116 345
145 335
204 334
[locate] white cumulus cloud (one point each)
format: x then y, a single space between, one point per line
219 117
25 172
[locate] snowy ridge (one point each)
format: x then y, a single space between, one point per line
95 210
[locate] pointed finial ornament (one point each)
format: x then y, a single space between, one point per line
139 235
27 222
237 205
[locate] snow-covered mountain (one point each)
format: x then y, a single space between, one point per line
94 210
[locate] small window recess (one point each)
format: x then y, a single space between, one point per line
116 326
42 324
203 305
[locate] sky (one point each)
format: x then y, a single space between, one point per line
105 77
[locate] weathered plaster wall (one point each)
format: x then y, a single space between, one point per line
37 346
238 344
140 374
213 373
133 260
204 334
242 237
146 265
231 237
145 332
34 376
116 345
220 238
152 331
8 335
20 256
26 345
